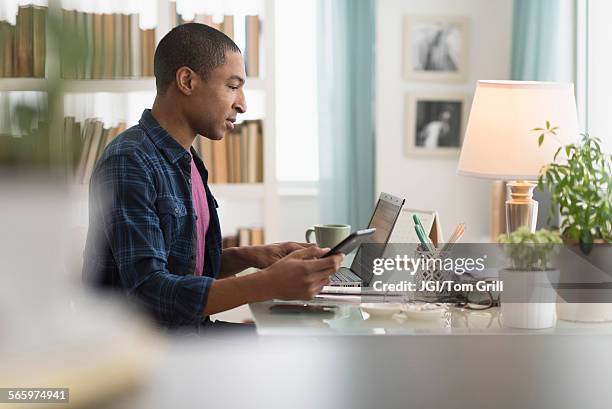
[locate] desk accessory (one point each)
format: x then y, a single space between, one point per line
499 142
404 231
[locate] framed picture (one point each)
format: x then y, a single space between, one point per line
436 48
435 124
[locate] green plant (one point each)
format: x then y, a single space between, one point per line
581 185
530 251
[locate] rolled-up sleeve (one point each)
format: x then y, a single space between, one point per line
124 198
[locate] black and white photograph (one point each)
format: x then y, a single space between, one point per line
434 124
435 48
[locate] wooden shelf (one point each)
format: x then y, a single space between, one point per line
109 85
113 85
23 84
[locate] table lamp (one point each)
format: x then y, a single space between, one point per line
499 142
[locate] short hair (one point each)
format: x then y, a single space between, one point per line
193 45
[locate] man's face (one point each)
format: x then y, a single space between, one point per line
217 101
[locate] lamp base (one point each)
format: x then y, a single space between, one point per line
521 209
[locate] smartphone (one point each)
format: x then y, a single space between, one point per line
351 242
302 309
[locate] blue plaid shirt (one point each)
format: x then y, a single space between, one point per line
142 230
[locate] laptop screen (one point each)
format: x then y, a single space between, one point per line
383 219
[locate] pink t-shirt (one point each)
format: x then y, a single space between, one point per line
200 204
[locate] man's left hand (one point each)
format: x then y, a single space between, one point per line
265 256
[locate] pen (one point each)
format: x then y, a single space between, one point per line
422 237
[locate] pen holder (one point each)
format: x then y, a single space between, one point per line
431 270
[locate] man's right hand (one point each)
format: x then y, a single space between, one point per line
302 274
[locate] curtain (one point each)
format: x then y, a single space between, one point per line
346 110
535 40
535 57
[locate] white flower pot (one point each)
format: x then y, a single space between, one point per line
528 287
584 312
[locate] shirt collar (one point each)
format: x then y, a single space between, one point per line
161 138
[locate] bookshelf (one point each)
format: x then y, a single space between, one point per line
260 200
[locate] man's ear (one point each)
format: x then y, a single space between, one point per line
185 80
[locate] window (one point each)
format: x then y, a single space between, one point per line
594 65
296 91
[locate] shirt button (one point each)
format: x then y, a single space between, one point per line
187 156
176 210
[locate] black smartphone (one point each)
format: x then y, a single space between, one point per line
351 242
302 309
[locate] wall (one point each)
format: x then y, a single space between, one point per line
431 183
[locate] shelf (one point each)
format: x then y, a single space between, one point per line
110 85
238 190
118 85
23 84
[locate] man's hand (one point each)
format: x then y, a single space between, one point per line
265 256
302 274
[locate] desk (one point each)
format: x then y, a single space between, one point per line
349 319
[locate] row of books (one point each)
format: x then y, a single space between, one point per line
252 32
237 158
245 237
86 143
23 46
105 46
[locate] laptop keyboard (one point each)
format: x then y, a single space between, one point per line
343 276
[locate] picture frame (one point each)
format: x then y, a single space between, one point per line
436 48
435 124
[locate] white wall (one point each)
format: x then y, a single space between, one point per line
431 183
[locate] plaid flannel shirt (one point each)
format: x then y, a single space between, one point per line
142 230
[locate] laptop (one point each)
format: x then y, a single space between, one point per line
359 274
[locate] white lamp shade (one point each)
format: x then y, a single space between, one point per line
499 142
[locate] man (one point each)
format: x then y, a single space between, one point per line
154 231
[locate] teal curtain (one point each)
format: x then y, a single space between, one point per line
535 57
346 110
535 40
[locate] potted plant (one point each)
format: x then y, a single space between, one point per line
581 187
528 300
580 180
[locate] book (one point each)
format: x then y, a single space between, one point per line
126 46
98 46
205 150
228 26
135 67
68 137
219 149
252 46
244 237
86 136
147 45
117 56
88 38
259 155
23 42
244 153
76 144
257 237
251 149
92 153
7 41
108 42
173 21
236 160
39 29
